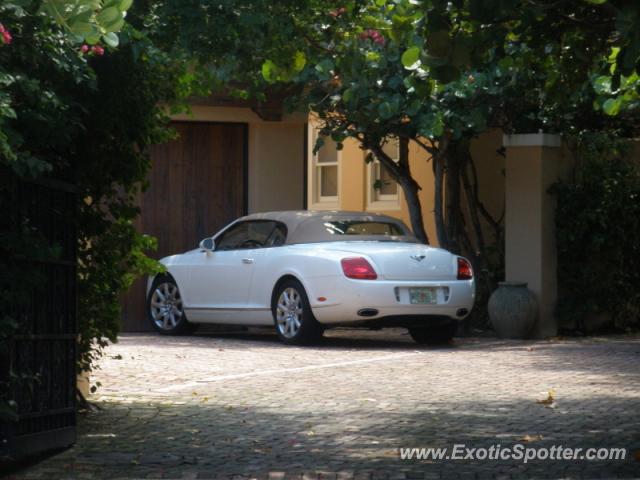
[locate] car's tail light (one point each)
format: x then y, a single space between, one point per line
465 271
358 268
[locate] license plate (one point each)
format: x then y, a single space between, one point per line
423 296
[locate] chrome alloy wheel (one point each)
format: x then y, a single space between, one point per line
289 312
166 306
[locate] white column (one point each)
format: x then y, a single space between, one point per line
533 163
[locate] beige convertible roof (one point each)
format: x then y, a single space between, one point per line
305 226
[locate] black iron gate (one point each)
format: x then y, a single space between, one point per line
39 367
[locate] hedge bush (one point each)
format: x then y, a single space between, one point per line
598 236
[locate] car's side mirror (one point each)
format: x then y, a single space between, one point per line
208 245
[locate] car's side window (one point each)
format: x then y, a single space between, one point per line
252 234
278 236
234 237
259 233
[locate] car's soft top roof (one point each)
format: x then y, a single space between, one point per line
304 226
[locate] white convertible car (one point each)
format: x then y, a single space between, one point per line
305 271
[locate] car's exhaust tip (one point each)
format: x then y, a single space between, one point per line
367 312
462 312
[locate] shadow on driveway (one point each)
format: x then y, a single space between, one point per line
169 441
224 404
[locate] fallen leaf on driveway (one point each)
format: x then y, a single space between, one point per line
530 438
559 338
548 402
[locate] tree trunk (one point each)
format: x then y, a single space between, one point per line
454 220
438 207
472 205
401 173
410 189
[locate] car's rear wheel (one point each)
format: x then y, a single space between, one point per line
435 334
292 315
165 309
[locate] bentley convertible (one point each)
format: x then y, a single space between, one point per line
302 272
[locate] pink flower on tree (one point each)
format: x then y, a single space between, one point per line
5 36
97 50
375 36
84 48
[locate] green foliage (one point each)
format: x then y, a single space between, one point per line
237 44
87 20
616 93
357 83
579 42
621 69
93 119
39 72
126 116
597 225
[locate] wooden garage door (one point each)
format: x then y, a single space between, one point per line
197 185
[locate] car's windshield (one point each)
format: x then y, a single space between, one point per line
359 227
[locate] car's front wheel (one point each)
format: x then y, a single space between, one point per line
165 309
434 335
292 315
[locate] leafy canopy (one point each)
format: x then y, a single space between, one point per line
86 119
88 21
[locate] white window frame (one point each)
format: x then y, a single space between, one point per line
314 177
375 200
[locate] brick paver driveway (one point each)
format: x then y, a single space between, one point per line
216 405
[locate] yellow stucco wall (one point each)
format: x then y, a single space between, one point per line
491 168
276 167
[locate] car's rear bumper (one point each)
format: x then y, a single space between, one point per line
345 300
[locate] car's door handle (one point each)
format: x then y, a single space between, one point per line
247 260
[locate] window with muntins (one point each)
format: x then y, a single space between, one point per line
383 191
324 174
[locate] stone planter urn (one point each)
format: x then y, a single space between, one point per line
513 310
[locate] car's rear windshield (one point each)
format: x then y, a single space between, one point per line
331 227
359 227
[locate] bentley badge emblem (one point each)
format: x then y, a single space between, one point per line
418 258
